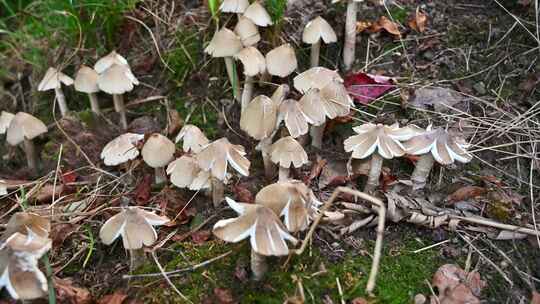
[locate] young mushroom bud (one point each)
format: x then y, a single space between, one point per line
53 80
318 30
186 173
193 139
22 129
287 153
86 82
254 64
281 61
158 152
349 46
258 14
121 149
247 31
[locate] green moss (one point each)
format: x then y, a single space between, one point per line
276 9
183 59
399 14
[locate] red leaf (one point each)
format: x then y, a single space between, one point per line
69 177
242 194
142 192
365 88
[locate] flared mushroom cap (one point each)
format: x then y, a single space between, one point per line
134 225
259 118
28 224
158 151
24 126
54 79
377 138
266 233
318 29
295 120
20 275
117 79
86 80
3 187
317 77
313 108
217 155
234 6
287 153
121 149
109 60
194 139
5 120
336 100
445 147
258 14
253 61
280 94
186 173
225 43
247 31
281 61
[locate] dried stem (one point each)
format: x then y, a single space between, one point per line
61 99
421 171
374 173
350 35
233 77
315 53
258 265
120 107
94 104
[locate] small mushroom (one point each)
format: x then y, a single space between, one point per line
86 82
5 120
295 120
234 6
22 129
225 44
117 80
194 139
54 79
318 30
247 31
281 61
287 153
186 173
258 14
109 60
350 32
121 149
435 145
266 233
158 152
254 64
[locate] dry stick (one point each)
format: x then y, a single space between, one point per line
490 223
381 210
169 280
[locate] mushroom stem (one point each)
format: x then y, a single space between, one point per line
120 107
283 174
315 53
375 167
247 93
61 99
317 133
94 104
258 265
161 177
269 167
350 35
421 171
31 155
233 78
136 258
218 192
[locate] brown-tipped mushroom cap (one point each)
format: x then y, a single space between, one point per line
445 147
253 61
266 233
158 151
121 149
317 77
86 80
216 156
281 61
24 126
318 29
225 43
117 79
20 274
5 120
134 225
28 223
259 118
295 120
247 31
186 173
376 138
234 6
54 79
287 152
194 139
109 60
258 14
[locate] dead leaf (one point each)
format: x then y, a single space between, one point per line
385 24
418 21
362 26
535 298
67 293
437 97
316 170
118 297
143 190
334 173
530 83
465 193
242 194
60 232
46 193
455 286
224 296
201 236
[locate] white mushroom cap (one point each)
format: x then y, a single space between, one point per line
281 61
259 118
24 126
117 79
312 105
234 6
3 187
337 101
53 79
371 138
216 156
287 153
258 14
247 31
194 139
317 77
253 61
295 120
186 173
225 43
280 94
318 29
109 60
86 80
445 147
5 120
121 149
158 151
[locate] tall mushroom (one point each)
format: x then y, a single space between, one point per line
258 14
281 61
193 138
86 82
158 152
121 149
435 145
225 44
254 64
287 153
318 30
54 79
247 31
22 129
350 32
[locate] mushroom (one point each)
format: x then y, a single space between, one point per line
435 145
247 31
86 82
254 64
109 60
234 6
266 233
295 120
281 61
287 152
121 149
28 223
54 79
3 187
186 173
194 139
318 30
117 79
5 120
158 152
258 14
215 157
22 129
350 33
226 44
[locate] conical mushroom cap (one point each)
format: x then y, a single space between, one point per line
281 61
247 31
194 139
266 233
121 149
253 61
53 79
225 43
234 6
313 107
113 58
317 77
259 118
258 14
134 225
295 120
5 120
117 79
24 126
86 80
318 29
158 151
287 152
445 147
217 155
20 274
186 173
375 138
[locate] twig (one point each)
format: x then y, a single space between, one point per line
431 246
167 278
490 223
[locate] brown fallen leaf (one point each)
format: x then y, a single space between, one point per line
362 26
46 193
455 286
67 293
242 194
465 193
385 24
418 21
143 190
316 170
118 297
201 236
535 299
224 296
